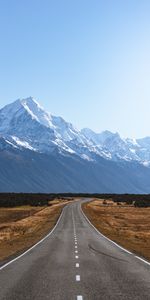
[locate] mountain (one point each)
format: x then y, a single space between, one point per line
119 148
40 152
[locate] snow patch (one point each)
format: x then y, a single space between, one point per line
23 143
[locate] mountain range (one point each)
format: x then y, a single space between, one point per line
40 152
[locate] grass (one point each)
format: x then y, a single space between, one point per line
125 224
21 227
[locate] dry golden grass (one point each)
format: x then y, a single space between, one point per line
21 227
124 224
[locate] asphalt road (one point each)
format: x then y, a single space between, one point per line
75 262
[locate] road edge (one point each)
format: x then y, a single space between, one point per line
35 245
117 245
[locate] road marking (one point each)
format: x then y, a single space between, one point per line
76 251
77 277
41 241
76 247
74 227
77 265
146 262
75 243
143 260
76 256
103 234
79 298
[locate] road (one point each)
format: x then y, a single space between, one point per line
75 262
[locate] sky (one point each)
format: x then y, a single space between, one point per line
85 60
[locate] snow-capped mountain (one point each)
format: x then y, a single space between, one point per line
119 148
40 152
25 124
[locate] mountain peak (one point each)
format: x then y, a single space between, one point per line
26 123
19 109
36 111
30 101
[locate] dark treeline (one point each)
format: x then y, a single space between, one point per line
13 199
19 199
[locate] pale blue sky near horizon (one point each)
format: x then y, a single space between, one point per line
86 60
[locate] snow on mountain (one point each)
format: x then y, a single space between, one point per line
25 124
97 138
119 148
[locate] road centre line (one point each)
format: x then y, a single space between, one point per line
74 228
77 277
79 297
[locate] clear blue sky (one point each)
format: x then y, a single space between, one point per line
86 60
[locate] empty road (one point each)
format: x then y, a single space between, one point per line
75 262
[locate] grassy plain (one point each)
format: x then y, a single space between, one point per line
23 226
125 224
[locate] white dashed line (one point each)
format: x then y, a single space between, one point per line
76 247
77 277
76 251
77 265
79 298
76 256
75 243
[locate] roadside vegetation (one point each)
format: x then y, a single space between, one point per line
124 219
25 218
24 225
19 199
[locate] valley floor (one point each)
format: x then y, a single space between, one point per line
21 227
124 224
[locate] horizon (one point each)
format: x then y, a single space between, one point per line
88 62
